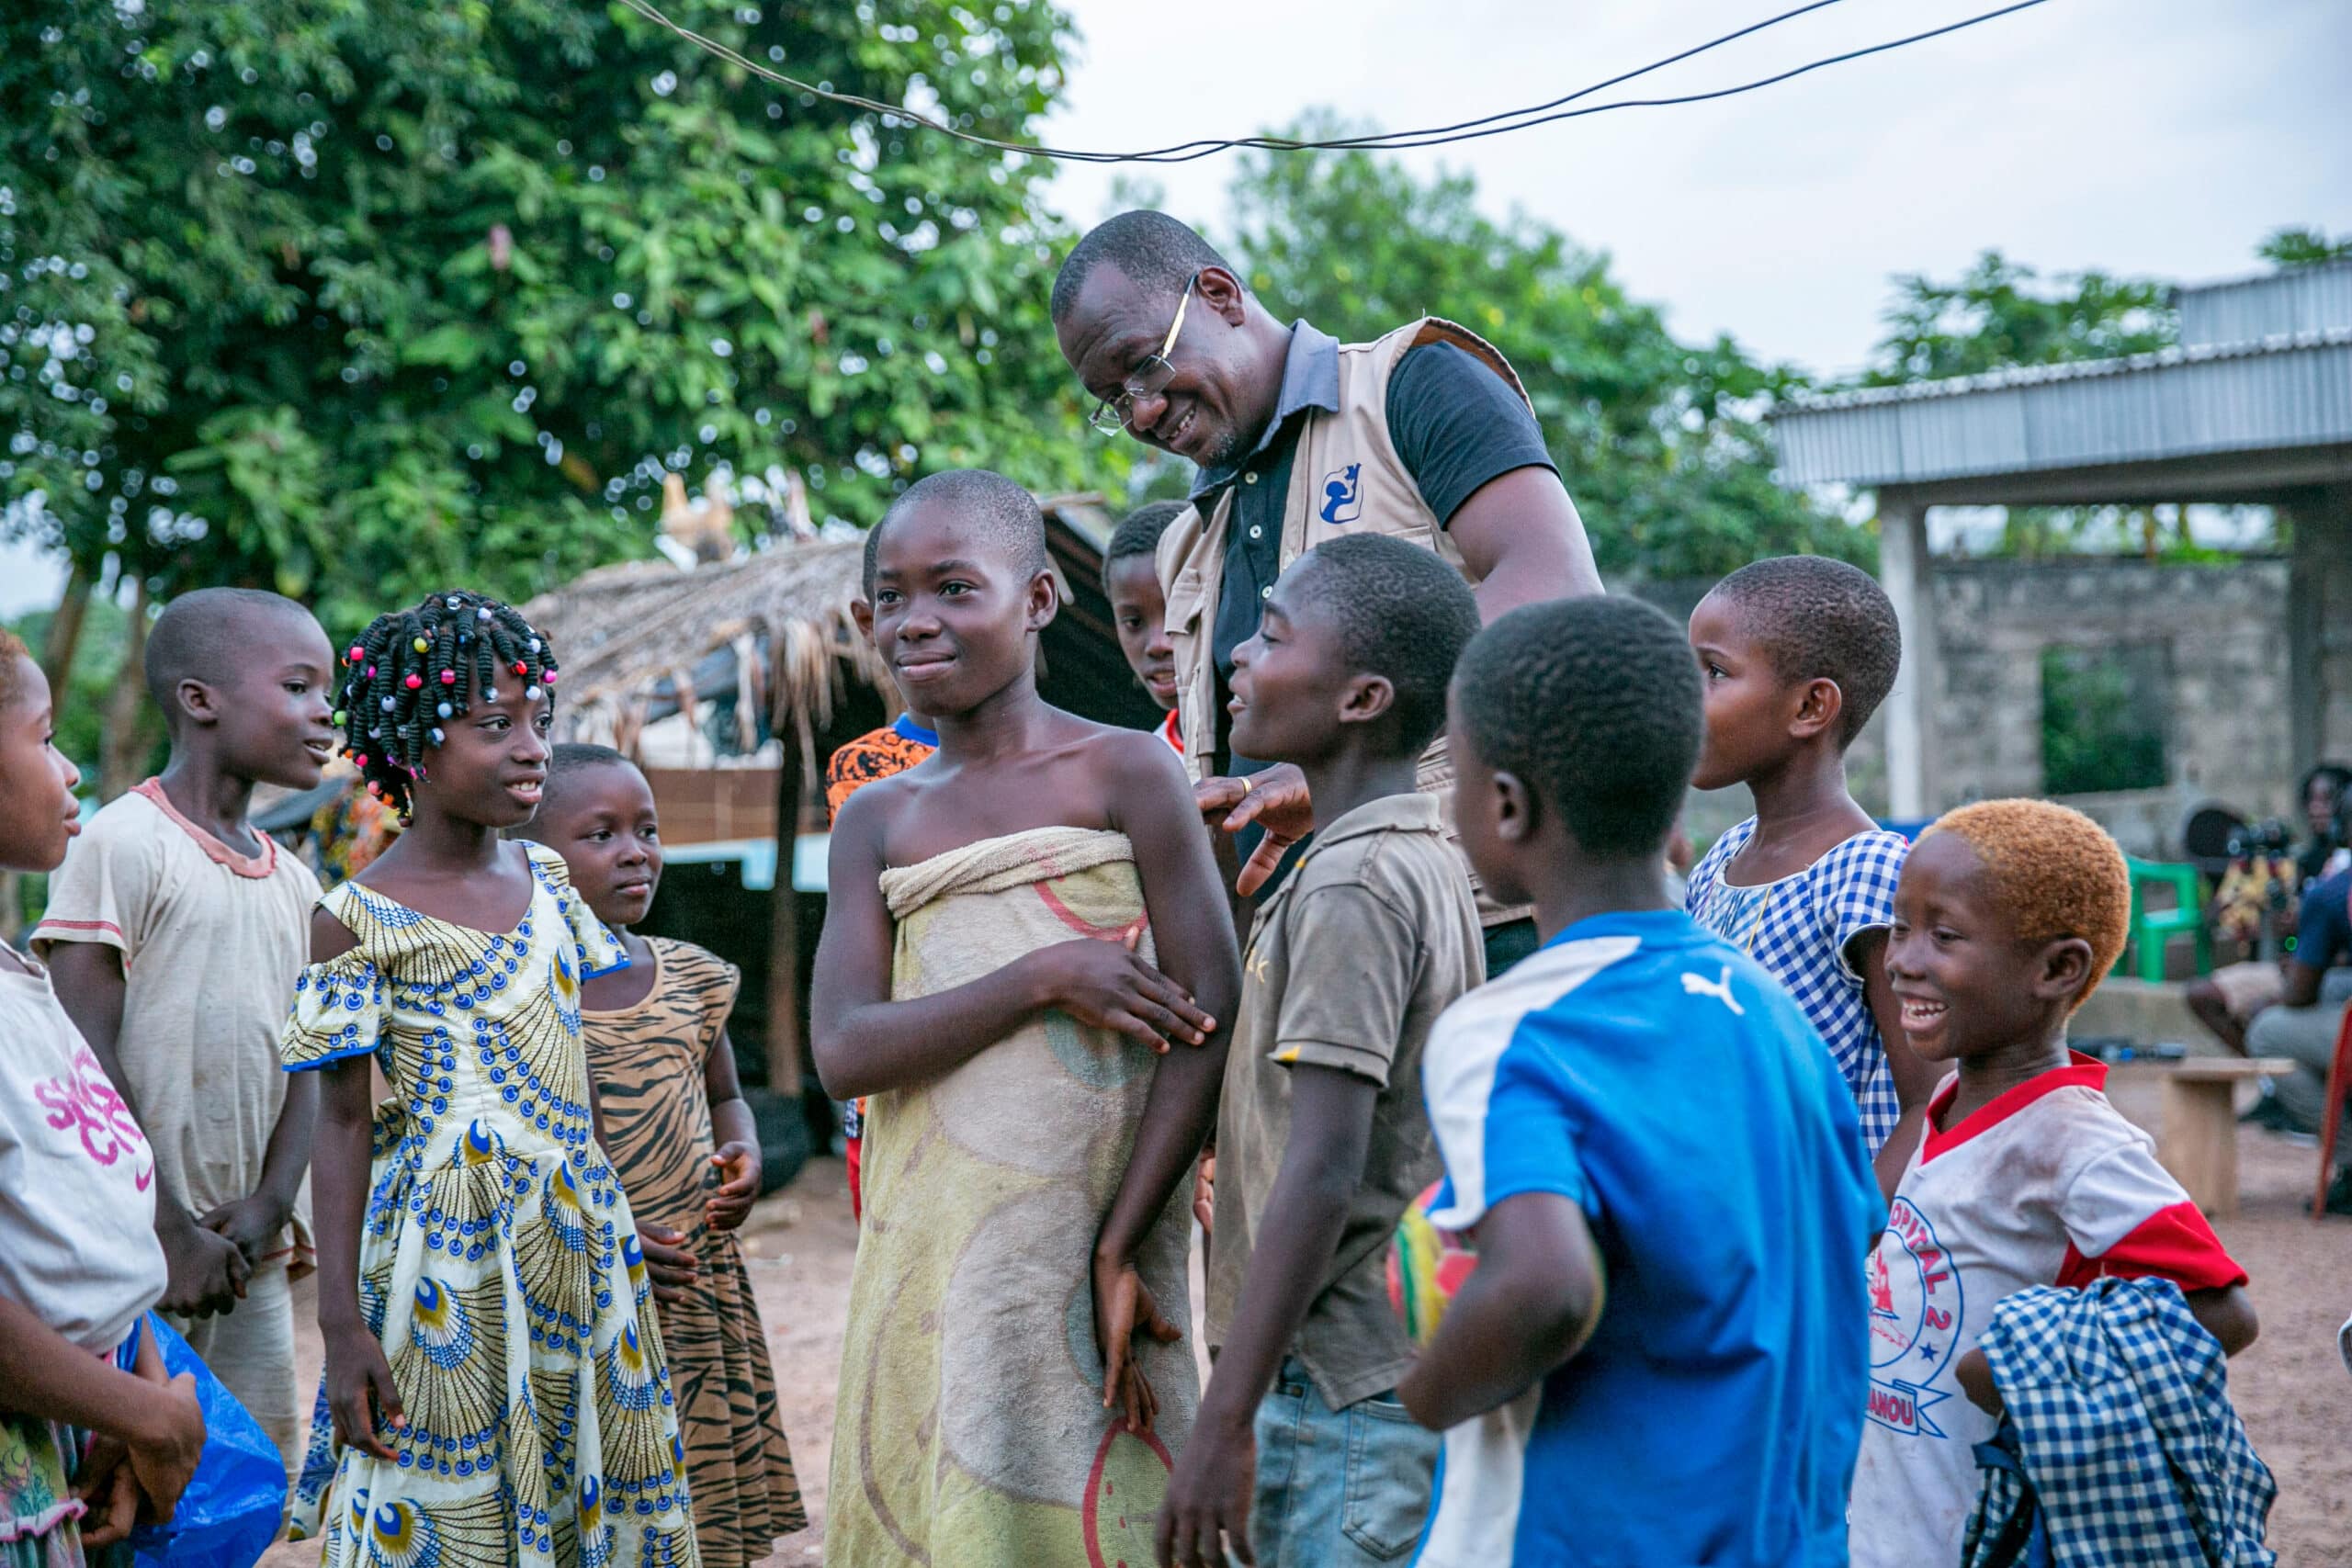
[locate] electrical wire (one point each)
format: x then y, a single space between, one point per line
1436 136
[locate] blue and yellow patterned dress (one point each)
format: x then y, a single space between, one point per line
498 1264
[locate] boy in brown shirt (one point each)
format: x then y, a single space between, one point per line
1300 1450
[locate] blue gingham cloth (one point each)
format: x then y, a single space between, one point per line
2129 1444
1798 928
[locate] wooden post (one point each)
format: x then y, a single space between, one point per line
786 1045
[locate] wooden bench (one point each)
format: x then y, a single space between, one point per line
2199 1144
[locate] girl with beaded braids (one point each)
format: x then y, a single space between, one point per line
495 1388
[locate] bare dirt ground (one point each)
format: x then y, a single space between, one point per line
2292 1387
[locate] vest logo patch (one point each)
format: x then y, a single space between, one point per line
1915 1322
1343 495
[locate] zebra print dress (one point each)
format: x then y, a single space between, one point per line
647 1060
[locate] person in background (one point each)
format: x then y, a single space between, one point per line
80 1264
1138 609
1659 1357
2228 1001
2009 914
1796 653
175 932
1301 1454
676 1128
1425 435
874 756
2315 988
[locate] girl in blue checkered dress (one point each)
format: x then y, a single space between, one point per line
1796 653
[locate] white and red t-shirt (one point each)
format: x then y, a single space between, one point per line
2048 1185
1171 734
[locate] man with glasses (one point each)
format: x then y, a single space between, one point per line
1425 435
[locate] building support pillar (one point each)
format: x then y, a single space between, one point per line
1906 569
2319 625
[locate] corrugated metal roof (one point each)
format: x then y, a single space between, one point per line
2290 391
2273 304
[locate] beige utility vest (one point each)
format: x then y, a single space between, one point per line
1345 478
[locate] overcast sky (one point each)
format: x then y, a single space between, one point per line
2148 136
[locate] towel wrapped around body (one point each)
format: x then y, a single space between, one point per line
970 1430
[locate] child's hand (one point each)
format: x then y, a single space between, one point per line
163 1451
1207 1508
361 1392
250 1223
110 1492
738 1183
1105 986
1974 1375
668 1260
1275 799
205 1273
1204 1192
1122 1307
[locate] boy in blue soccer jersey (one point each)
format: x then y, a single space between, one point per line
1660 1356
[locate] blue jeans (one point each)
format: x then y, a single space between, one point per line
1337 1488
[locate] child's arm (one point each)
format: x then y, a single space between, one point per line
1915 1076
2227 1313
1331 1128
159 1423
737 1135
356 1371
1530 1304
866 1043
1193 936
205 1272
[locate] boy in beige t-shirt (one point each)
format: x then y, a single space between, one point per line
174 931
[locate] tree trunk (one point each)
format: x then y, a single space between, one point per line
785 1035
123 753
65 631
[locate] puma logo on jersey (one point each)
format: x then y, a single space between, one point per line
1699 985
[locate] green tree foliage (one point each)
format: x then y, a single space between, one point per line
349 298
2301 247
1996 315
1661 443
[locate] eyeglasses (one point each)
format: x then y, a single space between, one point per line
1150 378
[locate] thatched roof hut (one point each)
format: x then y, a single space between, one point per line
769 638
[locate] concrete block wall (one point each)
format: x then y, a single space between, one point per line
2224 632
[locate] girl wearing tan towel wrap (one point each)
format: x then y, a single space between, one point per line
1019 930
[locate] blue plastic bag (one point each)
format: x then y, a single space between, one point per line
230 1513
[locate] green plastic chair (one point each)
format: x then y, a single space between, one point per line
2152 928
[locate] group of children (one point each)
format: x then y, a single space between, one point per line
564 1144
1697 1328
1746 1172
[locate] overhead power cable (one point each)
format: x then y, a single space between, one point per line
1436 136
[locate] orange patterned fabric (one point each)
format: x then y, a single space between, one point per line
873 756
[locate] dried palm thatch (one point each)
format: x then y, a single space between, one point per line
630 638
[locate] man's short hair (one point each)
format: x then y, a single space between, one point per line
1156 252
1138 532
1006 513
1594 705
2054 872
1817 618
1403 614
203 635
